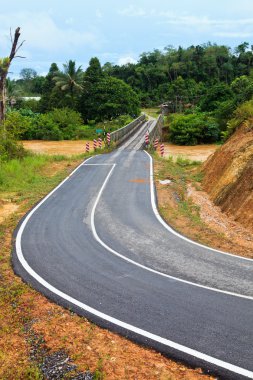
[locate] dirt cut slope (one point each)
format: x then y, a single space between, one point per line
228 176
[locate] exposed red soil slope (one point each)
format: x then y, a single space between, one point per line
228 176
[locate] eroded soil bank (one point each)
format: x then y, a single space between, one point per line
228 176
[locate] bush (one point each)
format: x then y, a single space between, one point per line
10 131
10 149
67 120
241 114
30 104
59 124
46 129
16 125
193 129
224 112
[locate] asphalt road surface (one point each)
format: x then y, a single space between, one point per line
97 244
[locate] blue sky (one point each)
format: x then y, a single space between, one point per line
118 31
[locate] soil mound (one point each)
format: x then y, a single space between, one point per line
228 176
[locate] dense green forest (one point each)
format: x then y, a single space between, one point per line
208 91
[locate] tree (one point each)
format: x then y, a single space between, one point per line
69 80
94 71
46 103
4 69
216 95
193 129
28 74
109 98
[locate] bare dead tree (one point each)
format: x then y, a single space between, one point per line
4 69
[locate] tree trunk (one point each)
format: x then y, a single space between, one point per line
4 72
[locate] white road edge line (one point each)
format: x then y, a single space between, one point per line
153 202
100 241
156 338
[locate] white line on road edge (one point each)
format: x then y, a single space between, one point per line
153 202
143 266
156 338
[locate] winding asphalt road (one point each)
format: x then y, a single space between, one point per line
97 244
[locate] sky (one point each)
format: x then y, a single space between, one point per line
117 31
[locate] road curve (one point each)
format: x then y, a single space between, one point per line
96 244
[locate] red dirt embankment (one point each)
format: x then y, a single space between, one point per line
228 176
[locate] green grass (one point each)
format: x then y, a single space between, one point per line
180 172
16 175
185 162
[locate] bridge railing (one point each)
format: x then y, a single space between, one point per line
123 133
154 131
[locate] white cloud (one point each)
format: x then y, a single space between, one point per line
125 60
204 21
174 18
41 32
228 28
233 34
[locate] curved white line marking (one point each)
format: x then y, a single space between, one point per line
153 202
156 338
100 241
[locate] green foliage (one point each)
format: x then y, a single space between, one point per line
64 117
193 129
240 115
48 101
183 75
30 104
15 124
224 111
94 71
15 173
4 65
58 124
69 81
109 98
10 131
10 149
216 94
186 162
44 128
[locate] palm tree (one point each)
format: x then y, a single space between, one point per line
69 79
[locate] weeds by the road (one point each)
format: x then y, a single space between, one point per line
179 172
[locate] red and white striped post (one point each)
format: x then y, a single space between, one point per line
87 147
94 144
146 139
162 149
156 144
108 138
100 143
